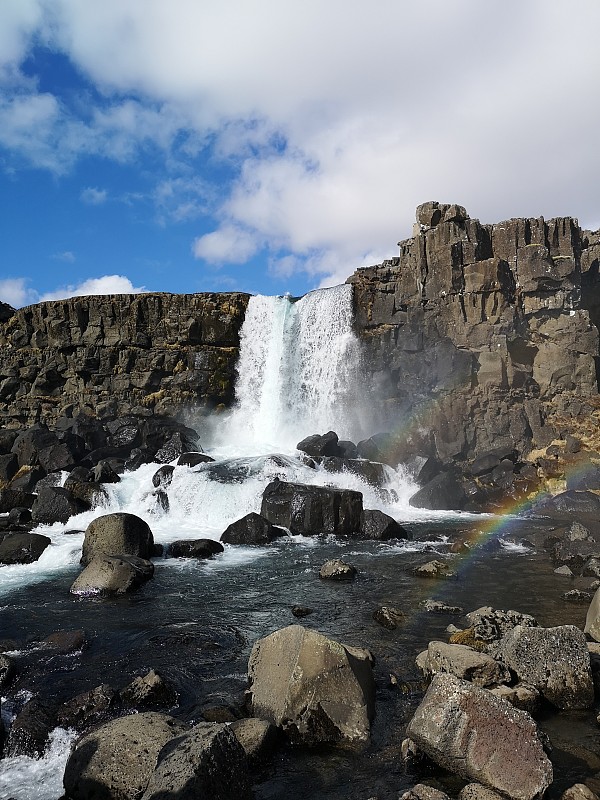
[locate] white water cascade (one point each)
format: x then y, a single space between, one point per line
298 372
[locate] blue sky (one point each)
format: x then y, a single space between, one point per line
274 146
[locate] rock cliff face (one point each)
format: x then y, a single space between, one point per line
483 336
114 353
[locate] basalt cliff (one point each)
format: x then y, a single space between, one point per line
485 336
476 337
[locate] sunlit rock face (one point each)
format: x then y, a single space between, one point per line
480 336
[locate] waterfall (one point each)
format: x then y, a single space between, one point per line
298 371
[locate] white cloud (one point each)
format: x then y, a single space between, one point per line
339 117
92 196
15 292
229 244
107 284
66 255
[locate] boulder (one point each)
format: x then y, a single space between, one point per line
163 476
114 574
475 791
470 732
592 619
370 472
320 445
116 760
310 510
444 492
148 691
88 708
117 533
439 570
193 459
574 502
490 625
31 728
316 689
575 553
380 527
421 791
337 570
22 548
554 660
55 504
521 695
389 617
103 472
9 466
194 548
251 529
258 737
464 662
14 498
206 761
579 791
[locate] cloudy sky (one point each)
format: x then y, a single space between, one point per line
276 145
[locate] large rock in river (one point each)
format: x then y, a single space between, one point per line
207 761
22 548
114 574
308 510
554 660
251 529
315 689
116 760
480 737
117 533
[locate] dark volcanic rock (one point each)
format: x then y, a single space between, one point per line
22 548
193 459
309 510
381 527
251 529
31 728
55 504
194 548
320 445
444 492
117 533
113 575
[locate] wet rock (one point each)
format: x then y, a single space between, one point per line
251 529
66 642
575 553
302 611
193 459
489 625
55 504
309 510
117 533
478 736
149 691
567 572
444 492
320 445
117 759
574 502
554 660
8 670
370 472
163 476
337 570
88 708
103 472
194 548
421 791
258 737
388 617
31 728
380 527
13 498
207 761
464 662
317 690
437 607
18 517
113 575
578 596
22 548
437 569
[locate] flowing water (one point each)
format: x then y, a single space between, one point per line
196 621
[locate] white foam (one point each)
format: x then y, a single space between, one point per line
25 778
